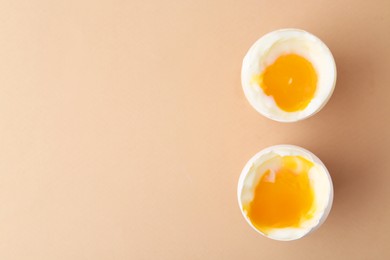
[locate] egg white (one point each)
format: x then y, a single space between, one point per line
320 180
266 50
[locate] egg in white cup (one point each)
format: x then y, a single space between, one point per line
285 192
288 75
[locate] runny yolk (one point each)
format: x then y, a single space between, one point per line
283 198
291 80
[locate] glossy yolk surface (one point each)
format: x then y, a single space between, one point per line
291 80
283 198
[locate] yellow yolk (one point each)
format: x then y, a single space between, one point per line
283 198
291 80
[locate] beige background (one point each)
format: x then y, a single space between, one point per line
124 128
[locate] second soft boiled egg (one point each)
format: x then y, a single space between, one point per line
288 75
285 192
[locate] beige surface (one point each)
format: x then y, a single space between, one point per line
124 129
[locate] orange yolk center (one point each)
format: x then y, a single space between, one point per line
283 198
291 80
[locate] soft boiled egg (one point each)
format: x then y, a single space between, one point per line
288 75
285 192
